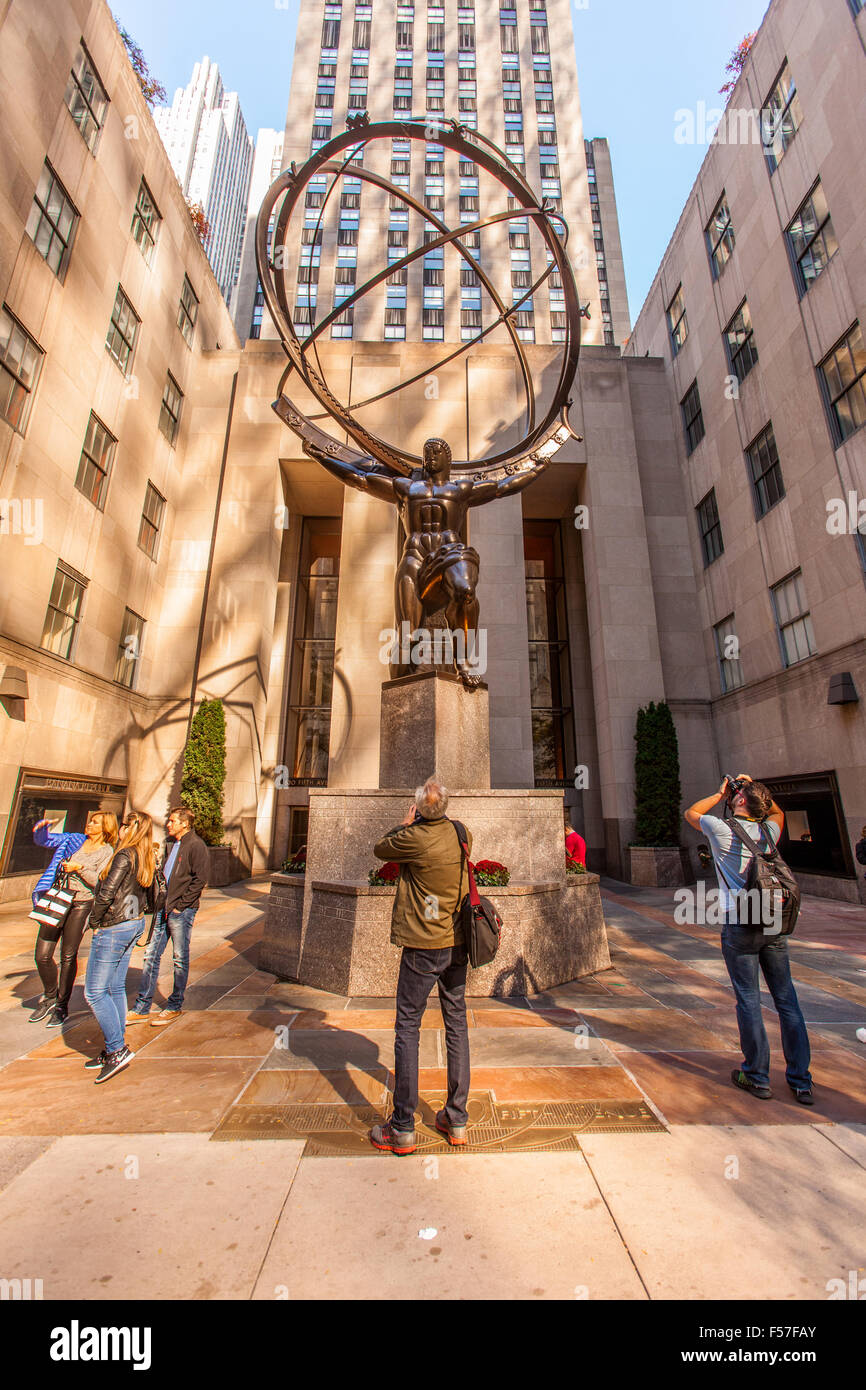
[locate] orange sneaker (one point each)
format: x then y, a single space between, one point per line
455 1134
164 1016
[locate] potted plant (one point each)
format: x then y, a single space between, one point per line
656 858
297 863
490 874
384 876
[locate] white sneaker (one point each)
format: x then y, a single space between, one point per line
861 1035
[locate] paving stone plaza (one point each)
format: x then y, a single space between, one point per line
235 1145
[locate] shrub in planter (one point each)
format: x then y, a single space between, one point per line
656 778
204 770
572 867
384 875
489 874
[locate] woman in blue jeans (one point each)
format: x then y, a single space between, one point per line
117 919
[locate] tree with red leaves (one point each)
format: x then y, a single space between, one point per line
151 90
199 221
737 63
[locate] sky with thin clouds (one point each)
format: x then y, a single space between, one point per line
638 64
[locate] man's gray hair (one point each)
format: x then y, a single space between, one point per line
431 800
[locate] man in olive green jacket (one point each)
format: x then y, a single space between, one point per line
425 923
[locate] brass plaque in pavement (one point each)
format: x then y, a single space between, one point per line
342 1131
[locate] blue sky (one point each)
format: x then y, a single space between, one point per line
638 63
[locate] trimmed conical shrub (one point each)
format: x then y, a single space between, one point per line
204 770
656 777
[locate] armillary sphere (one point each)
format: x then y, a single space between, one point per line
541 438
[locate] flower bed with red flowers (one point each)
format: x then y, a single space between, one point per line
573 866
490 874
384 876
297 864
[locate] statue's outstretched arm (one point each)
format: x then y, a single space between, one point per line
488 490
365 479
518 481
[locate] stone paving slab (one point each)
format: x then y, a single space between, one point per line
149 1216
551 1238
791 1219
57 1095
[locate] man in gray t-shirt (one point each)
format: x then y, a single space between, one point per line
732 859
749 949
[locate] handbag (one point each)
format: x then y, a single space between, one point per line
52 907
481 923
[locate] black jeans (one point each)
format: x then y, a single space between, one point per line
419 971
70 935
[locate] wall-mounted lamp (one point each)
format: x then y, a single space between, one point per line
14 692
842 689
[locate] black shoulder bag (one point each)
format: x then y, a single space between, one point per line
479 920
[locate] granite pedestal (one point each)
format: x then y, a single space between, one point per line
330 929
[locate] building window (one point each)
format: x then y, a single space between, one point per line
768 487
122 332
728 655
312 671
812 239
842 373
693 419
151 521
794 624
710 528
740 343
129 649
187 311
361 33
540 40
169 415
435 38
145 223
52 222
331 33
781 118
404 33
720 237
678 324
94 466
86 98
20 366
549 667
508 38
64 611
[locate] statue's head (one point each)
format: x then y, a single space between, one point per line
437 459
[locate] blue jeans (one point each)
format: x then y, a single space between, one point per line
105 982
745 949
177 929
419 971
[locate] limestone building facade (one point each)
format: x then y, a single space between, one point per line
757 312
164 538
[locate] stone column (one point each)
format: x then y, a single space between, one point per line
365 606
623 630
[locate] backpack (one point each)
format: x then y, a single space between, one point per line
478 918
770 875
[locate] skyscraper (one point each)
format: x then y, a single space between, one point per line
247 302
507 71
211 153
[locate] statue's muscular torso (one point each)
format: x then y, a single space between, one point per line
432 514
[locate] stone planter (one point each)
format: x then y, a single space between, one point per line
553 932
659 866
225 867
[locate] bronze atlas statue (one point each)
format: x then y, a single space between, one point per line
437 575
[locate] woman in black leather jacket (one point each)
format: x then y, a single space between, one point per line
117 918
